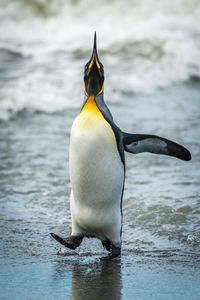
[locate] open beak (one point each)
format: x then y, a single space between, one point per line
94 58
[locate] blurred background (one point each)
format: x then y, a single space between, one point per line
144 45
150 50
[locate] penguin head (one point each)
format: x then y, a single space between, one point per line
94 74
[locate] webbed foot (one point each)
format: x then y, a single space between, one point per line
115 251
71 242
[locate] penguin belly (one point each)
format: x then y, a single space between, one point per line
97 176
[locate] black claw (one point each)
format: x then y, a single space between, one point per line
52 234
106 245
58 238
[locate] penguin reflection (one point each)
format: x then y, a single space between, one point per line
100 281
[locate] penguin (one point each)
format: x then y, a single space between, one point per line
97 165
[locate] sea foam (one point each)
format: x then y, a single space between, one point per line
44 45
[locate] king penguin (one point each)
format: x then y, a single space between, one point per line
97 165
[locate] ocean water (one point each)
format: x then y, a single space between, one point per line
144 45
151 56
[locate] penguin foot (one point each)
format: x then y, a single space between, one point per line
115 251
71 242
110 257
106 245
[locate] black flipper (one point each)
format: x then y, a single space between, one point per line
137 143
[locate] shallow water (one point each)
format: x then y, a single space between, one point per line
152 70
161 242
131 278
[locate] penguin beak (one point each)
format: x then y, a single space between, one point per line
94 73
94 59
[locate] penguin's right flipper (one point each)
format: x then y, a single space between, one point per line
71 242
137 143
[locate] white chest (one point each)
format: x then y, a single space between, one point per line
96 171
94 157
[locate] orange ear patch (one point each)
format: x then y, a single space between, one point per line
90 65
98 66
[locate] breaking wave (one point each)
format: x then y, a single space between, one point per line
144 45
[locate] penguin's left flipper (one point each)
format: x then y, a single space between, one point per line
137 143
71 242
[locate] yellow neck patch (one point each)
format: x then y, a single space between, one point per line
91 107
